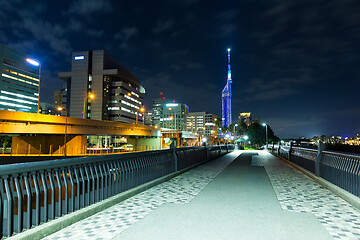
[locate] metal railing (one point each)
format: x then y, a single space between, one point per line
340 169
36 192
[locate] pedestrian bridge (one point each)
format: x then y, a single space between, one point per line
239 195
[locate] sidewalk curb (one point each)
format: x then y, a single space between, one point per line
345 195
48 228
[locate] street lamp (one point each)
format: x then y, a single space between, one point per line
235 127
89 96
60 109
36 63
266 129
137 113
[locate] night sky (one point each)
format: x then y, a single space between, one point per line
295 64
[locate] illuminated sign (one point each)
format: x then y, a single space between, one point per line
172 104
80 57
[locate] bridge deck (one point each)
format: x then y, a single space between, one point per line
243 195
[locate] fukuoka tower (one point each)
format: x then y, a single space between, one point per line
226 97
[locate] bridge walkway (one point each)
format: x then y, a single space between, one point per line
242 195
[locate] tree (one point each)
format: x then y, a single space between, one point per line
224 129
242 129
256 134
218 122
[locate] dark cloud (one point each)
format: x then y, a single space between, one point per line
163 25
88 7
95 33
126 34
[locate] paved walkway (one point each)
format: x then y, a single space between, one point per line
243 195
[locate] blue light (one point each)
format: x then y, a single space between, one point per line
33 62
80 57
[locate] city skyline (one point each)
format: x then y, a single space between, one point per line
295 64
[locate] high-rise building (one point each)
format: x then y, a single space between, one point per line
174 116
157 108
202 123
19 81
58 97
246 118
148 117
118 93
226 97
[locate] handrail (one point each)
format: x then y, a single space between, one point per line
59 163
340 169
36 192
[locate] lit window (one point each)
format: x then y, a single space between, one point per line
19 95
18 79
14 105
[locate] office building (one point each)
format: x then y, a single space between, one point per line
202 123
157 108
148 117
19 81
58 97
226 97
246 118
118 93
174 116
49 109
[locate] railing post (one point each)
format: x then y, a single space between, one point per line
173 147
278 150
290 149
319 156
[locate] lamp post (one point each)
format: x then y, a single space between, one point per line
266 129
89 96
234 128
60 109
36 63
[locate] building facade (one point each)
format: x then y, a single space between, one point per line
246 118
157 108
202 123
174 116
19 82
226 97
148 118
118 93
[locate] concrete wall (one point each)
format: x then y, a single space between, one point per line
145 144
48 144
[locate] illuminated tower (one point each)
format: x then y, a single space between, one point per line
226 97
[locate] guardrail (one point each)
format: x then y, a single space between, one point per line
340 169
36 192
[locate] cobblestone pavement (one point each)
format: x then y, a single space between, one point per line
179 190
297 192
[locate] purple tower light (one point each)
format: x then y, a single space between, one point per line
226 97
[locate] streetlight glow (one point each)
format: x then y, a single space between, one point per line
33 62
